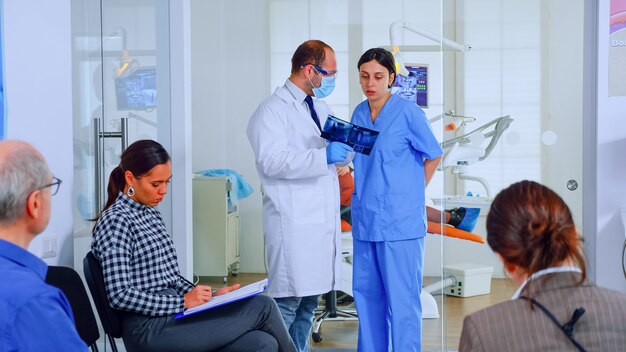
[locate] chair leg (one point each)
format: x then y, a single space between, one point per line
330 312
94 347
318 321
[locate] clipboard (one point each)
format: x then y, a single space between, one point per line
244 292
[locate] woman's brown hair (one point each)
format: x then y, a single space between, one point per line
529 225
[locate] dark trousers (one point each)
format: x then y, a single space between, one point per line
253 324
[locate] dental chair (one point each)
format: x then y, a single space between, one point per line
459 153
467 149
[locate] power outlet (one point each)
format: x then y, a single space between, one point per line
49 248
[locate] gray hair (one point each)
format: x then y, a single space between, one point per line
21 172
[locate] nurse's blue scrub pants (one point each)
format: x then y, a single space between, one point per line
387 281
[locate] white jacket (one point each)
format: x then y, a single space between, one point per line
301 222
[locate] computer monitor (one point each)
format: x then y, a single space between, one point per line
137 91
413 87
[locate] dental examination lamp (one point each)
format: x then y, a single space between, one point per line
456 121
127 65
467 149
398 26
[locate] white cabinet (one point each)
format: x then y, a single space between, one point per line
215 228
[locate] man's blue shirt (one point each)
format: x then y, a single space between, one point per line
34 316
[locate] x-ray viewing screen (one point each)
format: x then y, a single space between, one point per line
413 87
361 139
137 91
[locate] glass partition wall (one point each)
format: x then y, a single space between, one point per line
121 60
500 80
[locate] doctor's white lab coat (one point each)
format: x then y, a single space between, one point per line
301 221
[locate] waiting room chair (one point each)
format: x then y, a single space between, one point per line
108 316
68 281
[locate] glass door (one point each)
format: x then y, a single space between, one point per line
351 28
516 100
499 81
121 70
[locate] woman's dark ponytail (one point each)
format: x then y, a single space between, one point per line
139 158
116 185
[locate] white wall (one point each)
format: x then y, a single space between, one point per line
38 84
611 166
181 124
230 77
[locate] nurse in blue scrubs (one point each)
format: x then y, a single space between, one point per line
388 211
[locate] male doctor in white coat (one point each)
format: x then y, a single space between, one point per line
301 220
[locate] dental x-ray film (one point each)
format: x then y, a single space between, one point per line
361 139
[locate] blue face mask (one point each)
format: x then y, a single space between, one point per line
327 87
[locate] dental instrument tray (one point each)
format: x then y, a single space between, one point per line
361 139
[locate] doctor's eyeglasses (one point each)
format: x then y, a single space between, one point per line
322 71
54 186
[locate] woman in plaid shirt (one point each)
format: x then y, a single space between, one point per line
143 281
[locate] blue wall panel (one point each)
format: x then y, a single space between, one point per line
2 101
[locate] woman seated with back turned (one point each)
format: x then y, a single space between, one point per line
531 230
143 281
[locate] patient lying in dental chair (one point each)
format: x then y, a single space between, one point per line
461 218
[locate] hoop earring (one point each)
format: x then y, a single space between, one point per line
131 191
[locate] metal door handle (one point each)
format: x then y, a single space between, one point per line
99 136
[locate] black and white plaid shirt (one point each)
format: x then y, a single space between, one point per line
138 259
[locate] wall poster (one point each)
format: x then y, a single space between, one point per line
617 48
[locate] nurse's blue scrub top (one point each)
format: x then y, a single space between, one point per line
388 203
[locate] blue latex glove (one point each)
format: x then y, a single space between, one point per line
337 152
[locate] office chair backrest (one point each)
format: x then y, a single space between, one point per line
68 281
95 280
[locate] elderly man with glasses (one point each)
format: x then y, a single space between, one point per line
35 316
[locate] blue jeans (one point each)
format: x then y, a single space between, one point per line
298 315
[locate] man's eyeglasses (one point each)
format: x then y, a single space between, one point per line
54 186
321 70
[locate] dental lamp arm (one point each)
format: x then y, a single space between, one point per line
502 123
399 25
393 39
480 180
459 157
